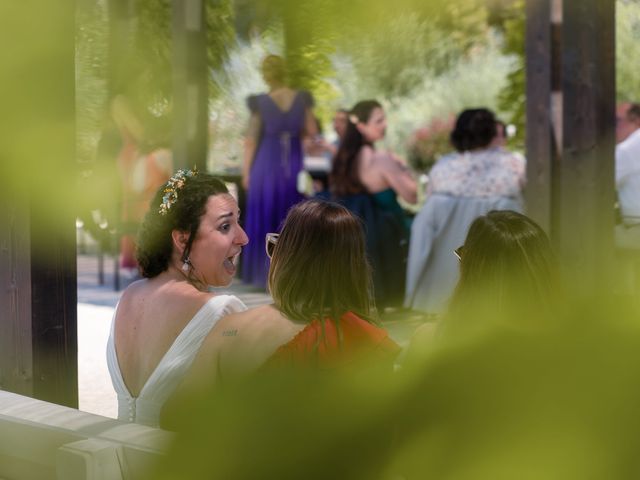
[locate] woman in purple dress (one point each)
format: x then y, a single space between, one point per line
272 161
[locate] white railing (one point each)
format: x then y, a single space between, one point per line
40 440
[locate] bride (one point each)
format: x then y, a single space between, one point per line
189 240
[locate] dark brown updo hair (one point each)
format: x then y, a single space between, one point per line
155 245
474 129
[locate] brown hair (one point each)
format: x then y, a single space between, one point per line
319 266
274 70
508 271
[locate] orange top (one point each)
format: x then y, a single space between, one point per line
335 344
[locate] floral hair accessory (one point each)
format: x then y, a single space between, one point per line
353 118
174 184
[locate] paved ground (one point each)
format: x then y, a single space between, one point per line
96 304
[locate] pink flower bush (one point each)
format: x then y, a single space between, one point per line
428 143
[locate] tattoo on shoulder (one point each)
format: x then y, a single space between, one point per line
230 333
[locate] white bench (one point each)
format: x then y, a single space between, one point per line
41 440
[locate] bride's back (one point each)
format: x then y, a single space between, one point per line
150 316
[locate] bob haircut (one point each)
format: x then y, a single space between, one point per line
474 129
155 245
507 266
344 178
319 266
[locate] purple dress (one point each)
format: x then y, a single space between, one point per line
272 179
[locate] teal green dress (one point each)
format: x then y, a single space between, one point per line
387 235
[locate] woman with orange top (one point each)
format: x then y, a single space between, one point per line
322 313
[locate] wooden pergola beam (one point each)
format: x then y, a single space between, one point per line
570 51
38 290
190 85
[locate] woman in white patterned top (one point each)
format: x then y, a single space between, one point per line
480 176
478 168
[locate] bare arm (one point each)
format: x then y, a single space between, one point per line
205 371
250 145
310 125
399 178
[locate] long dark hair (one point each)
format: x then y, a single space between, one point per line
319 266
508 270
344 178
155 245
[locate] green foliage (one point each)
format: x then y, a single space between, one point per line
628 50
91 76
239 78
391 57
309 41
392 62
556 399
220 36
512 97
147 78
474 80
144 74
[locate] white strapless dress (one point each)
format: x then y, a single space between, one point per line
169 373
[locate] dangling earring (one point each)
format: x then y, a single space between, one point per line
186 265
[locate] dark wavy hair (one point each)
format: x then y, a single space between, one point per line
344 178
507 270
475 128
155 245
319 266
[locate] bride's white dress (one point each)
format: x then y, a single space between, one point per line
146 407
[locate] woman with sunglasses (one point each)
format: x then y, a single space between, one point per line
322 312
508 272
508 278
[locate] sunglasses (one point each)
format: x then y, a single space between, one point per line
458 252
270 243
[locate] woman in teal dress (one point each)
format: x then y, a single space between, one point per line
368 181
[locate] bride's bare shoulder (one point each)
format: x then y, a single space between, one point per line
159 299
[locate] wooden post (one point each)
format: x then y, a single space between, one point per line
539 141
16 359
190 92
571 158
38 291
54 298
583 212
